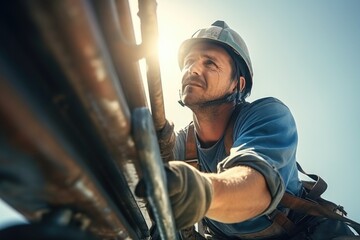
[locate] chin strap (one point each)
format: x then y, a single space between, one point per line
225 99
180 101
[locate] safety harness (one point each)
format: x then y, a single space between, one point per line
305 208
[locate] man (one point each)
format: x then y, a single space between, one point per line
234 193
246 154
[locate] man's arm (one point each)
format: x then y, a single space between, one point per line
236 194
239 193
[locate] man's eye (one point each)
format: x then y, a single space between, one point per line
210 63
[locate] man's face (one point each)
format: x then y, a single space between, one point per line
206 74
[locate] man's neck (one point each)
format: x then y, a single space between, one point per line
211 122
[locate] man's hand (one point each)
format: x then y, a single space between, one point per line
190 193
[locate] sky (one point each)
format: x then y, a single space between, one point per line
305 53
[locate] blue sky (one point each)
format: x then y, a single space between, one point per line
307 54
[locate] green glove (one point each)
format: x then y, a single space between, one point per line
190 193
189 190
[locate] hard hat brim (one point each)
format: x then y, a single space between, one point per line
186 46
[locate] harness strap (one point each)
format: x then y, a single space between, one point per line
317 188
283 221
190 147
308 207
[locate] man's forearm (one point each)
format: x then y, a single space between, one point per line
240 193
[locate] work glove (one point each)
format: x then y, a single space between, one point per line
166 139
190 193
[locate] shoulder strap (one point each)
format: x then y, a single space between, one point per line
190 147
322 208
312 203
316 188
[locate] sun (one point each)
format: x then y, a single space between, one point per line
167 51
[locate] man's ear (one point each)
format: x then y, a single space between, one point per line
242 83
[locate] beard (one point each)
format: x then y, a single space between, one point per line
190 99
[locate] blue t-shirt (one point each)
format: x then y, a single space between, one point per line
264 138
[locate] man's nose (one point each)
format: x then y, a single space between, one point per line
195 68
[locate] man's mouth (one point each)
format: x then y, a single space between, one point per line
194 82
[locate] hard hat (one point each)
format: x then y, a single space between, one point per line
220 33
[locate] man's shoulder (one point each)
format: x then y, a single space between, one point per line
265 104
266 101
263 109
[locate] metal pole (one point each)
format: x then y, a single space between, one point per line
73 36
153 172
116 26
149 31
46 169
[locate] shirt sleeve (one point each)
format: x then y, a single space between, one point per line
265 139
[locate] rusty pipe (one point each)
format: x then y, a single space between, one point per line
115 24
149 32
66 36
39 149
72 35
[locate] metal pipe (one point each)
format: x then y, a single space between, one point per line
115 24
72 35
51 58
149 32
153 172
68 35
45 168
